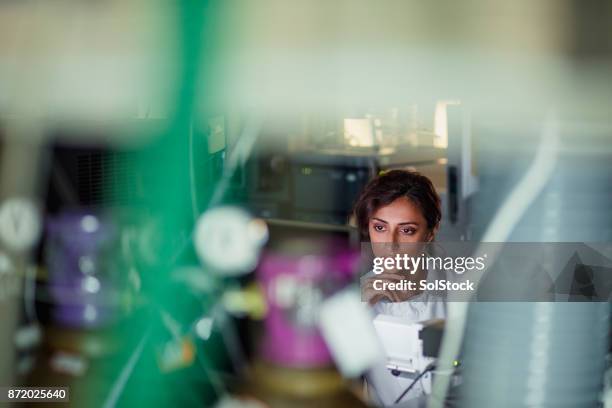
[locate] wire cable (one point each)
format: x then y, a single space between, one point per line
126 372
192 176
427 369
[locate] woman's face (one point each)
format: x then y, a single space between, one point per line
399 222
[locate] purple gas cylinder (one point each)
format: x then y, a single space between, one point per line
81 269
295 287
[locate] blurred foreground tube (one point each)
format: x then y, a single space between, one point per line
525 354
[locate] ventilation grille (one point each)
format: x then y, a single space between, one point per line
106 179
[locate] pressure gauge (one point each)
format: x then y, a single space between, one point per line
20 224
229 240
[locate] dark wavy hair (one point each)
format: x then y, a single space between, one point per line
390 186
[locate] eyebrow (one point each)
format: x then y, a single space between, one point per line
400 223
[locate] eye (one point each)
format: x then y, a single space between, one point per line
408 231
379 228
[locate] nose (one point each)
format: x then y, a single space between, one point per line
395 241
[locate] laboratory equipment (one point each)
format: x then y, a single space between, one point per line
295 286
337 179
403 345
84 279
20 223
546 354
293 366
551 356
229 240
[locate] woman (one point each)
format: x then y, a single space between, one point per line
396 211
